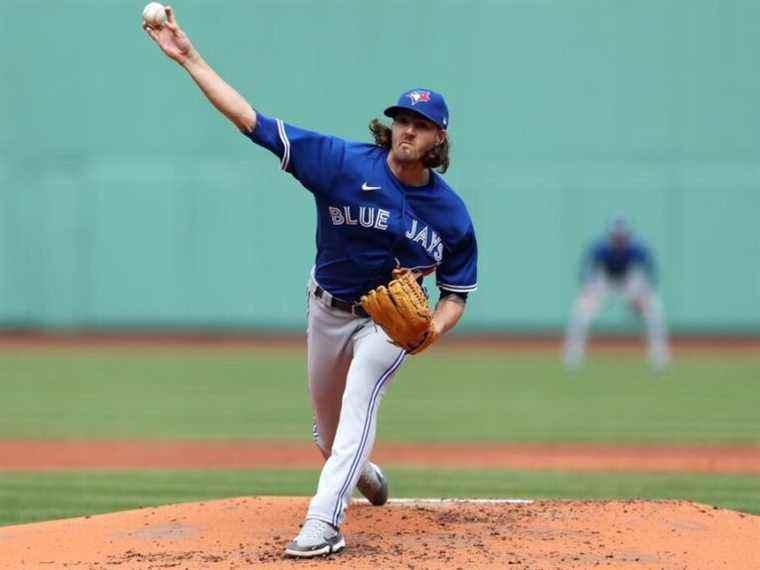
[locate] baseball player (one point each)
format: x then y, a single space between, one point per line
380 207
617 265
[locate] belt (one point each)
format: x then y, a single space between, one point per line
354 308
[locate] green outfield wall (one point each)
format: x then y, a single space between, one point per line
126 200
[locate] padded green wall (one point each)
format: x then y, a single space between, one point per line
125 199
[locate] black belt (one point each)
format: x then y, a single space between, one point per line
353 308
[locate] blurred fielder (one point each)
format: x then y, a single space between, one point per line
621 266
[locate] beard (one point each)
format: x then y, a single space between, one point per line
408 153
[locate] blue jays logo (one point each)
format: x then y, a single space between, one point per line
427 238
419 97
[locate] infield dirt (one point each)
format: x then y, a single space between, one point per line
246 532
30 455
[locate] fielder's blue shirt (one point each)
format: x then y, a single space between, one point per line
616 262
368 222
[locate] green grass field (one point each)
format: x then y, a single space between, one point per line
28 497
463 397
479 397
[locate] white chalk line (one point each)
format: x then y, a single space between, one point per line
452 501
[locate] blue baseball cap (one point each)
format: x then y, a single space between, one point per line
424 102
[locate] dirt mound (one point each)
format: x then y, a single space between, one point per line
243 532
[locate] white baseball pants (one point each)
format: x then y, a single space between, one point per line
633 288
351 362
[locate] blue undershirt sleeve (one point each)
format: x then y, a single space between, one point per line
444 293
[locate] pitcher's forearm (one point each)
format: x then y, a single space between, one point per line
447 313
226 99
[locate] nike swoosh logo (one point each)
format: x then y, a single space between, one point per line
367 188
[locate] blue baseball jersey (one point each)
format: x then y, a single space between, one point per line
616 262
368 222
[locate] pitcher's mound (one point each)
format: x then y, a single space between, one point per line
244 532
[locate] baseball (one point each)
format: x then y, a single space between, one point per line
154 14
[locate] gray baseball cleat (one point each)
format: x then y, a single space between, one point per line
317 538
373 484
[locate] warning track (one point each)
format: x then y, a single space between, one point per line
32 455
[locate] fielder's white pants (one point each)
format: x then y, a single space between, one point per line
350 363
634 289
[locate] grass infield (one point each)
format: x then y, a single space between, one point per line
30 497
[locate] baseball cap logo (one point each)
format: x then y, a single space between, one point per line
419 97
424 102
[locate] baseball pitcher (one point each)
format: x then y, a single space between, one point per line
385 219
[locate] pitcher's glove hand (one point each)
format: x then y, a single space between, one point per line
401 308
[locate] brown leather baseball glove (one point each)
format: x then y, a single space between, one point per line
401 308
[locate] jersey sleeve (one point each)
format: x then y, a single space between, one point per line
312 158
458 272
